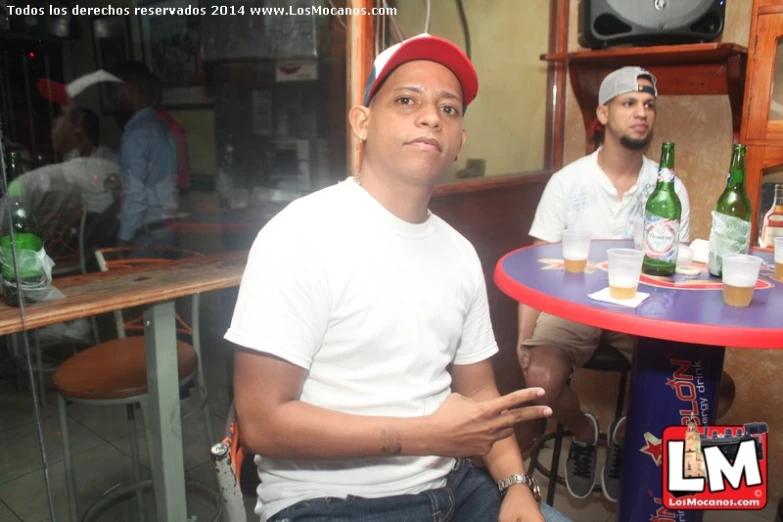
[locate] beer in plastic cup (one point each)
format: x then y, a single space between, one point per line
740 274
576 249
625 267
779 257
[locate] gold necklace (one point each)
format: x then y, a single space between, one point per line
359 182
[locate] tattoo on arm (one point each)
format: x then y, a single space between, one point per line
391 443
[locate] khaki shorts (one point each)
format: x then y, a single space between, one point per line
578 341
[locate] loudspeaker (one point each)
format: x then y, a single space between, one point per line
603 23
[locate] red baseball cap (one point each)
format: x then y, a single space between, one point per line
62 94
55 92
424 47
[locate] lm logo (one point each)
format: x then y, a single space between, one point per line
717 467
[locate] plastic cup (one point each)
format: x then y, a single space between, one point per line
740 274
576 249
625 267
779 257
684 255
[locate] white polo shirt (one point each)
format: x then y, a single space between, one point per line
581 195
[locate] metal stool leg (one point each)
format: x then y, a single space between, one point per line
621 395
70 484
39 359
554 467
201 382
134 447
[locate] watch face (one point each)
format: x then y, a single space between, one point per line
536 491
531 482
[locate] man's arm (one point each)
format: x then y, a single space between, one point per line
276 424
477 381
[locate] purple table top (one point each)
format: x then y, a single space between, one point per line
683 308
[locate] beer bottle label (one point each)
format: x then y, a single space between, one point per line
665 175
729 235
660 238
772 228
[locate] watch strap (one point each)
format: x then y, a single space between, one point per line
520 478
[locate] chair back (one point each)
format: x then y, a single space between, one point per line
117 259
228 456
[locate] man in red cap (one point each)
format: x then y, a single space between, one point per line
62 94
363 379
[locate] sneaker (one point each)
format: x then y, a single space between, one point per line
610 474
580 465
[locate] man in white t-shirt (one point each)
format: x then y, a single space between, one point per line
604 192
363 381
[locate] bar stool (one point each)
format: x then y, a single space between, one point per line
605 359
115 373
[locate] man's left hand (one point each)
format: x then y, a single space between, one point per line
520 506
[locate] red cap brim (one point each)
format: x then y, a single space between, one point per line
55 92
435 49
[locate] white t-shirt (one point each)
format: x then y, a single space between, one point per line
375 309
580 195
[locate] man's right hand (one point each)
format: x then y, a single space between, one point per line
466 428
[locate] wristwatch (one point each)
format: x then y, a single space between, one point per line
519 478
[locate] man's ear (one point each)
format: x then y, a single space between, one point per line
602 113
359 118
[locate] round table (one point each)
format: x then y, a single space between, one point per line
683 328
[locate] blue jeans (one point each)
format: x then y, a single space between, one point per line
470 495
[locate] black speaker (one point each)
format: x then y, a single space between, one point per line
603 23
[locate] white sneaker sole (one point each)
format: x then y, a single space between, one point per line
603 486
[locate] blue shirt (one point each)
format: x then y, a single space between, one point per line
148 160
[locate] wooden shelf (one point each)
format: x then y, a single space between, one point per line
690 69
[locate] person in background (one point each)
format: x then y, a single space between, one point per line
54 192
363 378
604 192
57 195
148 160
178 132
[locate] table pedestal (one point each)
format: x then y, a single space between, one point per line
670 381
166 454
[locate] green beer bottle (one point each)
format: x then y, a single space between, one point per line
730 232
661 235
14 167
28 243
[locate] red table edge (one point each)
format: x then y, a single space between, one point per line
643 327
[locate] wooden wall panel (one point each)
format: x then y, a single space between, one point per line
495 214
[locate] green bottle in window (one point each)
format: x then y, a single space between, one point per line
662 213
28 243
730 232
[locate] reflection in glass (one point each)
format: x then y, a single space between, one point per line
256 116
776 100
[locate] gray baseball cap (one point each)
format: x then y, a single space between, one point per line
623 81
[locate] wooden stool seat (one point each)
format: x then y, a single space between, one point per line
115 369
